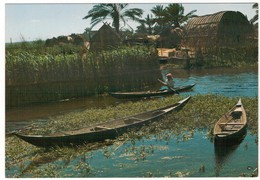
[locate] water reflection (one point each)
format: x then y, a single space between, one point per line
223 153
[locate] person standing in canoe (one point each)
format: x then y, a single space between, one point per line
169 83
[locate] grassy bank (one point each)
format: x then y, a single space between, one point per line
201 112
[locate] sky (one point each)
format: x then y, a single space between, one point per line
34 21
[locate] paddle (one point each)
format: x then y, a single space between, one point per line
168 86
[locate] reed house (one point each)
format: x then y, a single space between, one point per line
105 38
222 29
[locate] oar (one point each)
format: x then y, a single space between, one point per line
176 92
168 86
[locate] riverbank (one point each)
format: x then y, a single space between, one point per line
24 160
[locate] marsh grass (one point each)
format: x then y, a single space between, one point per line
239 56
46 77
201 113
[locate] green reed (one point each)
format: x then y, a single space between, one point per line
237 56
34 78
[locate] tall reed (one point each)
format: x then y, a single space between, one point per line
236 56
34 78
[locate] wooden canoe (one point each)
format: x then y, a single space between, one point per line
143 94
102 131
231 127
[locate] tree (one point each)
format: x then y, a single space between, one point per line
87 34
159 19
169 19
159 12
172 16
117 12
146 25
255 18
175 15
141 29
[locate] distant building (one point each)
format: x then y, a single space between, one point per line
222 29
75 39
105 38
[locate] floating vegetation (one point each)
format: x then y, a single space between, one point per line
182 174
201 113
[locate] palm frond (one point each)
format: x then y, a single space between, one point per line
255 6
117 12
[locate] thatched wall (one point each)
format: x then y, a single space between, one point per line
216 30
105 38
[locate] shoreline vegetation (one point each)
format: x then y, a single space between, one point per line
25 159
39 74
47 77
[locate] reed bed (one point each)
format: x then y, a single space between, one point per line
226 56
201 112
35 78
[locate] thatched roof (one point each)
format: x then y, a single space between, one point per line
104 38
211 24
221 28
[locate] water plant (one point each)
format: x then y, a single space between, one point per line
25 160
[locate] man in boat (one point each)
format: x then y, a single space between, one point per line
168 84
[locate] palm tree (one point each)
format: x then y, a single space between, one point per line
117 12
159 13
255 18
172 15
146 24
141 29
169 18
175 15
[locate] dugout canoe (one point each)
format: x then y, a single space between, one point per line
231 127
145 94
102 131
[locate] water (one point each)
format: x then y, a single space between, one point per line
187 157
18 118
234 85
195 157
224 82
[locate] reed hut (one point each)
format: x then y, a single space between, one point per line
221 29
105 38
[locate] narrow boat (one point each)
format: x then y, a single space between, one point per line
102 131
145 94
231 127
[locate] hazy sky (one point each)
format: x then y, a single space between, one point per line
42 21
